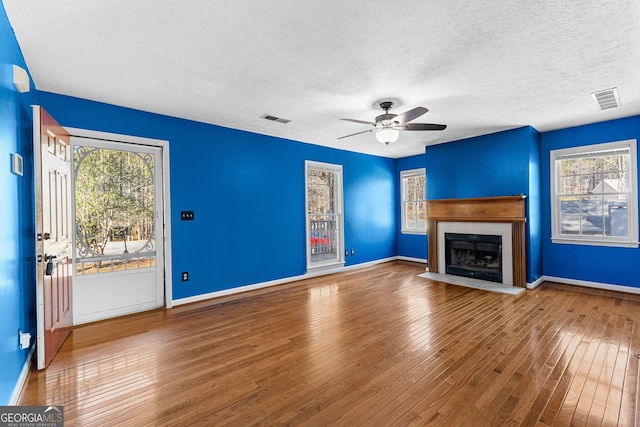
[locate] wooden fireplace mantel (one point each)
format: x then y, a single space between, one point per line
484 209
510 209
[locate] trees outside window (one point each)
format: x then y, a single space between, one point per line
324 214
594 194
114 209
414 204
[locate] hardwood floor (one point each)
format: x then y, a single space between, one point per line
375 347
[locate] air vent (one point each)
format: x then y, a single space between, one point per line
607 98
274 118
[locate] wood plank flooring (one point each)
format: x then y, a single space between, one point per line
373 347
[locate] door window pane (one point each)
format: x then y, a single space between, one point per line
115 213
323 213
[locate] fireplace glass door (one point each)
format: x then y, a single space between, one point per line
478 256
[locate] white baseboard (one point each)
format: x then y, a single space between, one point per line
262 285
536 283
22 379
408 258
595 285
367 264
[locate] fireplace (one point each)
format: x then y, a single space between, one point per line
478 256
502 216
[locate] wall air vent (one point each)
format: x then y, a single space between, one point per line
607 98
274 118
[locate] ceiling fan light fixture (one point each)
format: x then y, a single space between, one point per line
387 135
387 126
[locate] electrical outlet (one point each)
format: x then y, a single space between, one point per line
185 276
25 340
353 251
187 216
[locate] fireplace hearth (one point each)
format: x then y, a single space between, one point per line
478 256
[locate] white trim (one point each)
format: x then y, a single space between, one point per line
93 134
255 286
369 263
409 173
168 266
540 280
595 285
339 206
407 258
115 137
414 232
611 243
22 378
535 283
330 266
631 241
37 177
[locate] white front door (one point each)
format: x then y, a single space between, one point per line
119 250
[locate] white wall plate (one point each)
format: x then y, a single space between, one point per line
17 164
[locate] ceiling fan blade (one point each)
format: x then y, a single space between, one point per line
412 114
423 126
362 122
354 134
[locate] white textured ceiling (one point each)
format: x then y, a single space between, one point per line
478 66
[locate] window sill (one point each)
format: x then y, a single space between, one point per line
609 243
319 266
419 232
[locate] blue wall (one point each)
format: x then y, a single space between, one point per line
247 191
409 245
498 164
17 290
609 265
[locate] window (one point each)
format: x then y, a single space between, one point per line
115 209
594 196
414 204
324 215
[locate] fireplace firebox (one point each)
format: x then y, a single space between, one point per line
478 256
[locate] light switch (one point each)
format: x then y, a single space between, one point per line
186 216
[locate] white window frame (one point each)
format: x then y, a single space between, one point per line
339 261
631 241
411 173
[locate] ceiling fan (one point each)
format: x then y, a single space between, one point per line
387 126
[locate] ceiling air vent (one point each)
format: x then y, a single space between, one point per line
607 98
274 118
